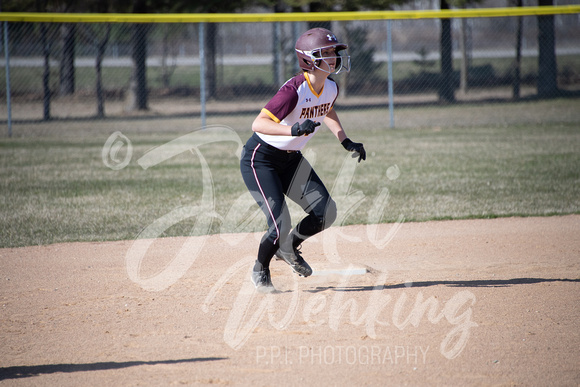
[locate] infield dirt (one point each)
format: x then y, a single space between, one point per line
468 302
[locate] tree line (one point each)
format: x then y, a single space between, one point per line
138 95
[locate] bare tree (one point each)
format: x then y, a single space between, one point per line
46 47
167 70
516 76
547 68
137 96
446 87
67 58
101 46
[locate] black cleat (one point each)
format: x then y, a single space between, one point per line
296 262
262 281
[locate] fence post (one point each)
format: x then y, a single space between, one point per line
7 70
202 71
295 36
278 58
390 73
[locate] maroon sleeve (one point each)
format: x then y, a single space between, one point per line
285 100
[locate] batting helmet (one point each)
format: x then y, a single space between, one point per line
309 48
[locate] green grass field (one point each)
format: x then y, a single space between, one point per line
462 161
29 80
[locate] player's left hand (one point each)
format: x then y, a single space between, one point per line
356 147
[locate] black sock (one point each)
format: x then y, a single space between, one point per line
265 253
294 241
258 266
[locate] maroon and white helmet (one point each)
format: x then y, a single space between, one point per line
309 48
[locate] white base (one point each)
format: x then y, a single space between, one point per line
351 270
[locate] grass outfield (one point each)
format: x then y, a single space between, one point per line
496 160
29 79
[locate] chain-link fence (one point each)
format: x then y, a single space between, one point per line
63 70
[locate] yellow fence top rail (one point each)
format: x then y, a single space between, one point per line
281 17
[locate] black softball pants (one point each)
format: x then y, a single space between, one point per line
271 175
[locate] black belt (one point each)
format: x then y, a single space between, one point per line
272 146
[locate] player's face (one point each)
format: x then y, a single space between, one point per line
328 64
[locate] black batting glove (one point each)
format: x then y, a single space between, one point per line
305 128
356 147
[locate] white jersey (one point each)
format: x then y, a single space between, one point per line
296 101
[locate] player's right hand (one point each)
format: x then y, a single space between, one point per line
305 128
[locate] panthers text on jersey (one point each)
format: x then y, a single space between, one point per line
296 101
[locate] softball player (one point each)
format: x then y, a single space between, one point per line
272 165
